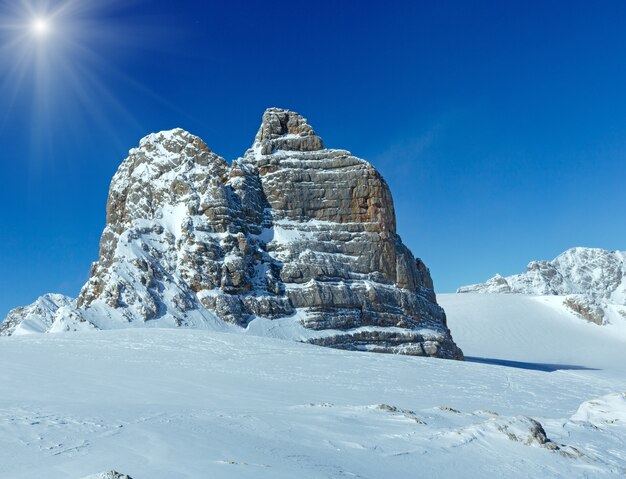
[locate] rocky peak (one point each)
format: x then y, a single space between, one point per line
286 130
593 279
35 318
167 151
166 168
293 240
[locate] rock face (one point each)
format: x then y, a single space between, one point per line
592 281
292 240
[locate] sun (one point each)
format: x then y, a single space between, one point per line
55 56
40 27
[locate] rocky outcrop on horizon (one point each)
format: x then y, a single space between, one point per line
108 475
36 317
292 240
591 280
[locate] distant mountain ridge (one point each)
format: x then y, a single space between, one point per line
292 240
36 317
592 280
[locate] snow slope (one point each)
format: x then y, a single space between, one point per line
536 329
176 403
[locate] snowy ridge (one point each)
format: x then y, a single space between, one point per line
37 317
592 282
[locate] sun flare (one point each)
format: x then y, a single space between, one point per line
54 55
40 27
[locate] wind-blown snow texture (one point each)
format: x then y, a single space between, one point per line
592 282
532 331
164 403
292 240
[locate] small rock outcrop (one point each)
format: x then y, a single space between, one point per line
592 281
603 412
292 240
37 317
108 475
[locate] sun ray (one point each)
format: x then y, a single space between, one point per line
56 58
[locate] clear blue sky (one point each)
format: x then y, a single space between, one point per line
499 125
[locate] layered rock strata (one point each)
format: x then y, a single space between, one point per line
292 240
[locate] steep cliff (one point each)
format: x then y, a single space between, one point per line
292 240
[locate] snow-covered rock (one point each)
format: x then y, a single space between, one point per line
108 475
293 240
36 317
609 410
591 280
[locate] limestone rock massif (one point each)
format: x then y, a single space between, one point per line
592 282
292 240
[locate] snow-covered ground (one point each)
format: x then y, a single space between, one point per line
159 404
535 329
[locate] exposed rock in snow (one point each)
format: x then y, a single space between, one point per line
586 308
35 318
609 410
592 280
108 475
292 240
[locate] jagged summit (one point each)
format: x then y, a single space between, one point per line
292 240
36 317
286 130
592 279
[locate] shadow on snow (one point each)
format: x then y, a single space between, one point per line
524 365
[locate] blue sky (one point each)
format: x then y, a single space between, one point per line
500 126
